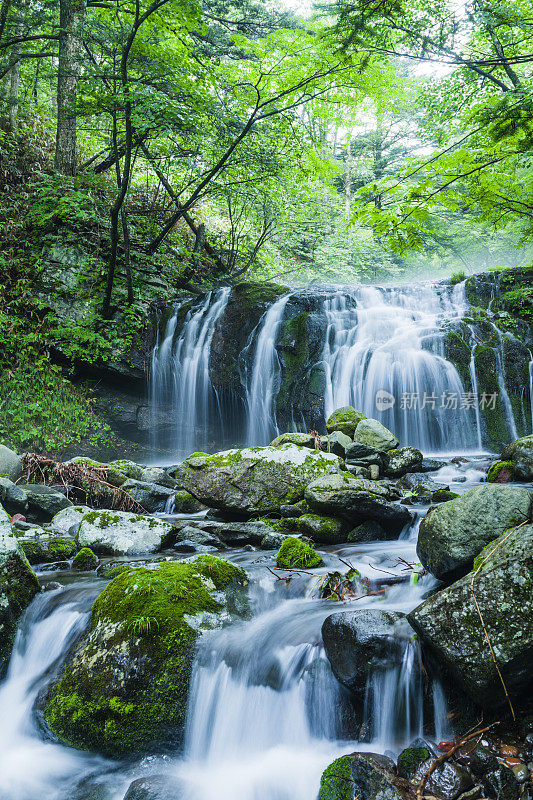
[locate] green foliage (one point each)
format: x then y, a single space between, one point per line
457 277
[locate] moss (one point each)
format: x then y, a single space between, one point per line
295 349
85 560
126 689
410 759
345 420
101 519
458 352
296 554
496 468
34 551
61 549
443 495
336 782
486 370
112 572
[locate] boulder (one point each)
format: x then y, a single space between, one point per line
365 776
357 500
125 688
369 531
45 501
10 463
12 497
501 472
374 434
64 520
359 642
197 539
150 496
449 624
44 548
297 554
454 533
447 781
403 460
184 503
18 586
410 759
85 560
114 475
323 530
255 480
345 420
337 443
129 468
299 439
155 787
156 475
520 453
121 533
237 534
362 455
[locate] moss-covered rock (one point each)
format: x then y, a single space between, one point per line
520 453
323 530
114 475
403 460
18 586
121 533
501 472
184 503
125 689
297 554
365 776
373 434
345 420
41 549
85 560
410 759
299 439
256 480
336 782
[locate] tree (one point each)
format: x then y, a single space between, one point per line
71 19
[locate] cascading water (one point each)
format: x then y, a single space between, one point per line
384 354
179 379
263 384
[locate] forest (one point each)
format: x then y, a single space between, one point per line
266 399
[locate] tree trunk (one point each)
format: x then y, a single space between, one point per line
71 17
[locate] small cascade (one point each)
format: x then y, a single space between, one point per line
180 375
264 381
384 354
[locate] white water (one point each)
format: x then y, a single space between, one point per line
264 383
180 373
531 387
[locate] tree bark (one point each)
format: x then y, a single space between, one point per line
71 18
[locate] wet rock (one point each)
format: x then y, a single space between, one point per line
357 500
431 465
323 530
150 496
197 537
125 688
374 434
10 463
290 512
448 622
155 787
369 531
12 497
358 642
121 533
273 541
502 783
239 533
52 586
18 586
157 475
69 517
255 480
501 472
403 460
366 776
40 547
44 501
410 760
454 533
185 503
520 454
479 759
345 420
448 780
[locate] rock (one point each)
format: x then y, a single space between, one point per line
431 465
196 537
291 512
447 781
520 453
345 420
237 534
323 530
357 500
273 541
185 503
41 549
454 533
130 469
44 501
362 455
10 463
125 688
410 759
297 554
337 443
374 434
299 439
403 460
85 560
443 495
114 475
502 783
255 480
156 475
18 586
365 776
359 472
64 520
369 531
501 472
155 787
121 533
150 496
358 642
12 497
449 625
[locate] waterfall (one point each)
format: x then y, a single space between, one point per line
384 354
264 383
473 379
179 376
501 378
531 387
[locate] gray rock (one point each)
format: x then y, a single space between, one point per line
431 465
273 541
365 776
374 434
121 533
64 520
255 480
363 455
337 443
240 533
184 503
198 537
150 496
357 500
502 783
18 586
44 501
155 787
358 642
157 475
369 531
449 624
289 511
345 420
10 463
323 530
520 452
358 471
403 460
447 781
454 533
299 439
12 497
